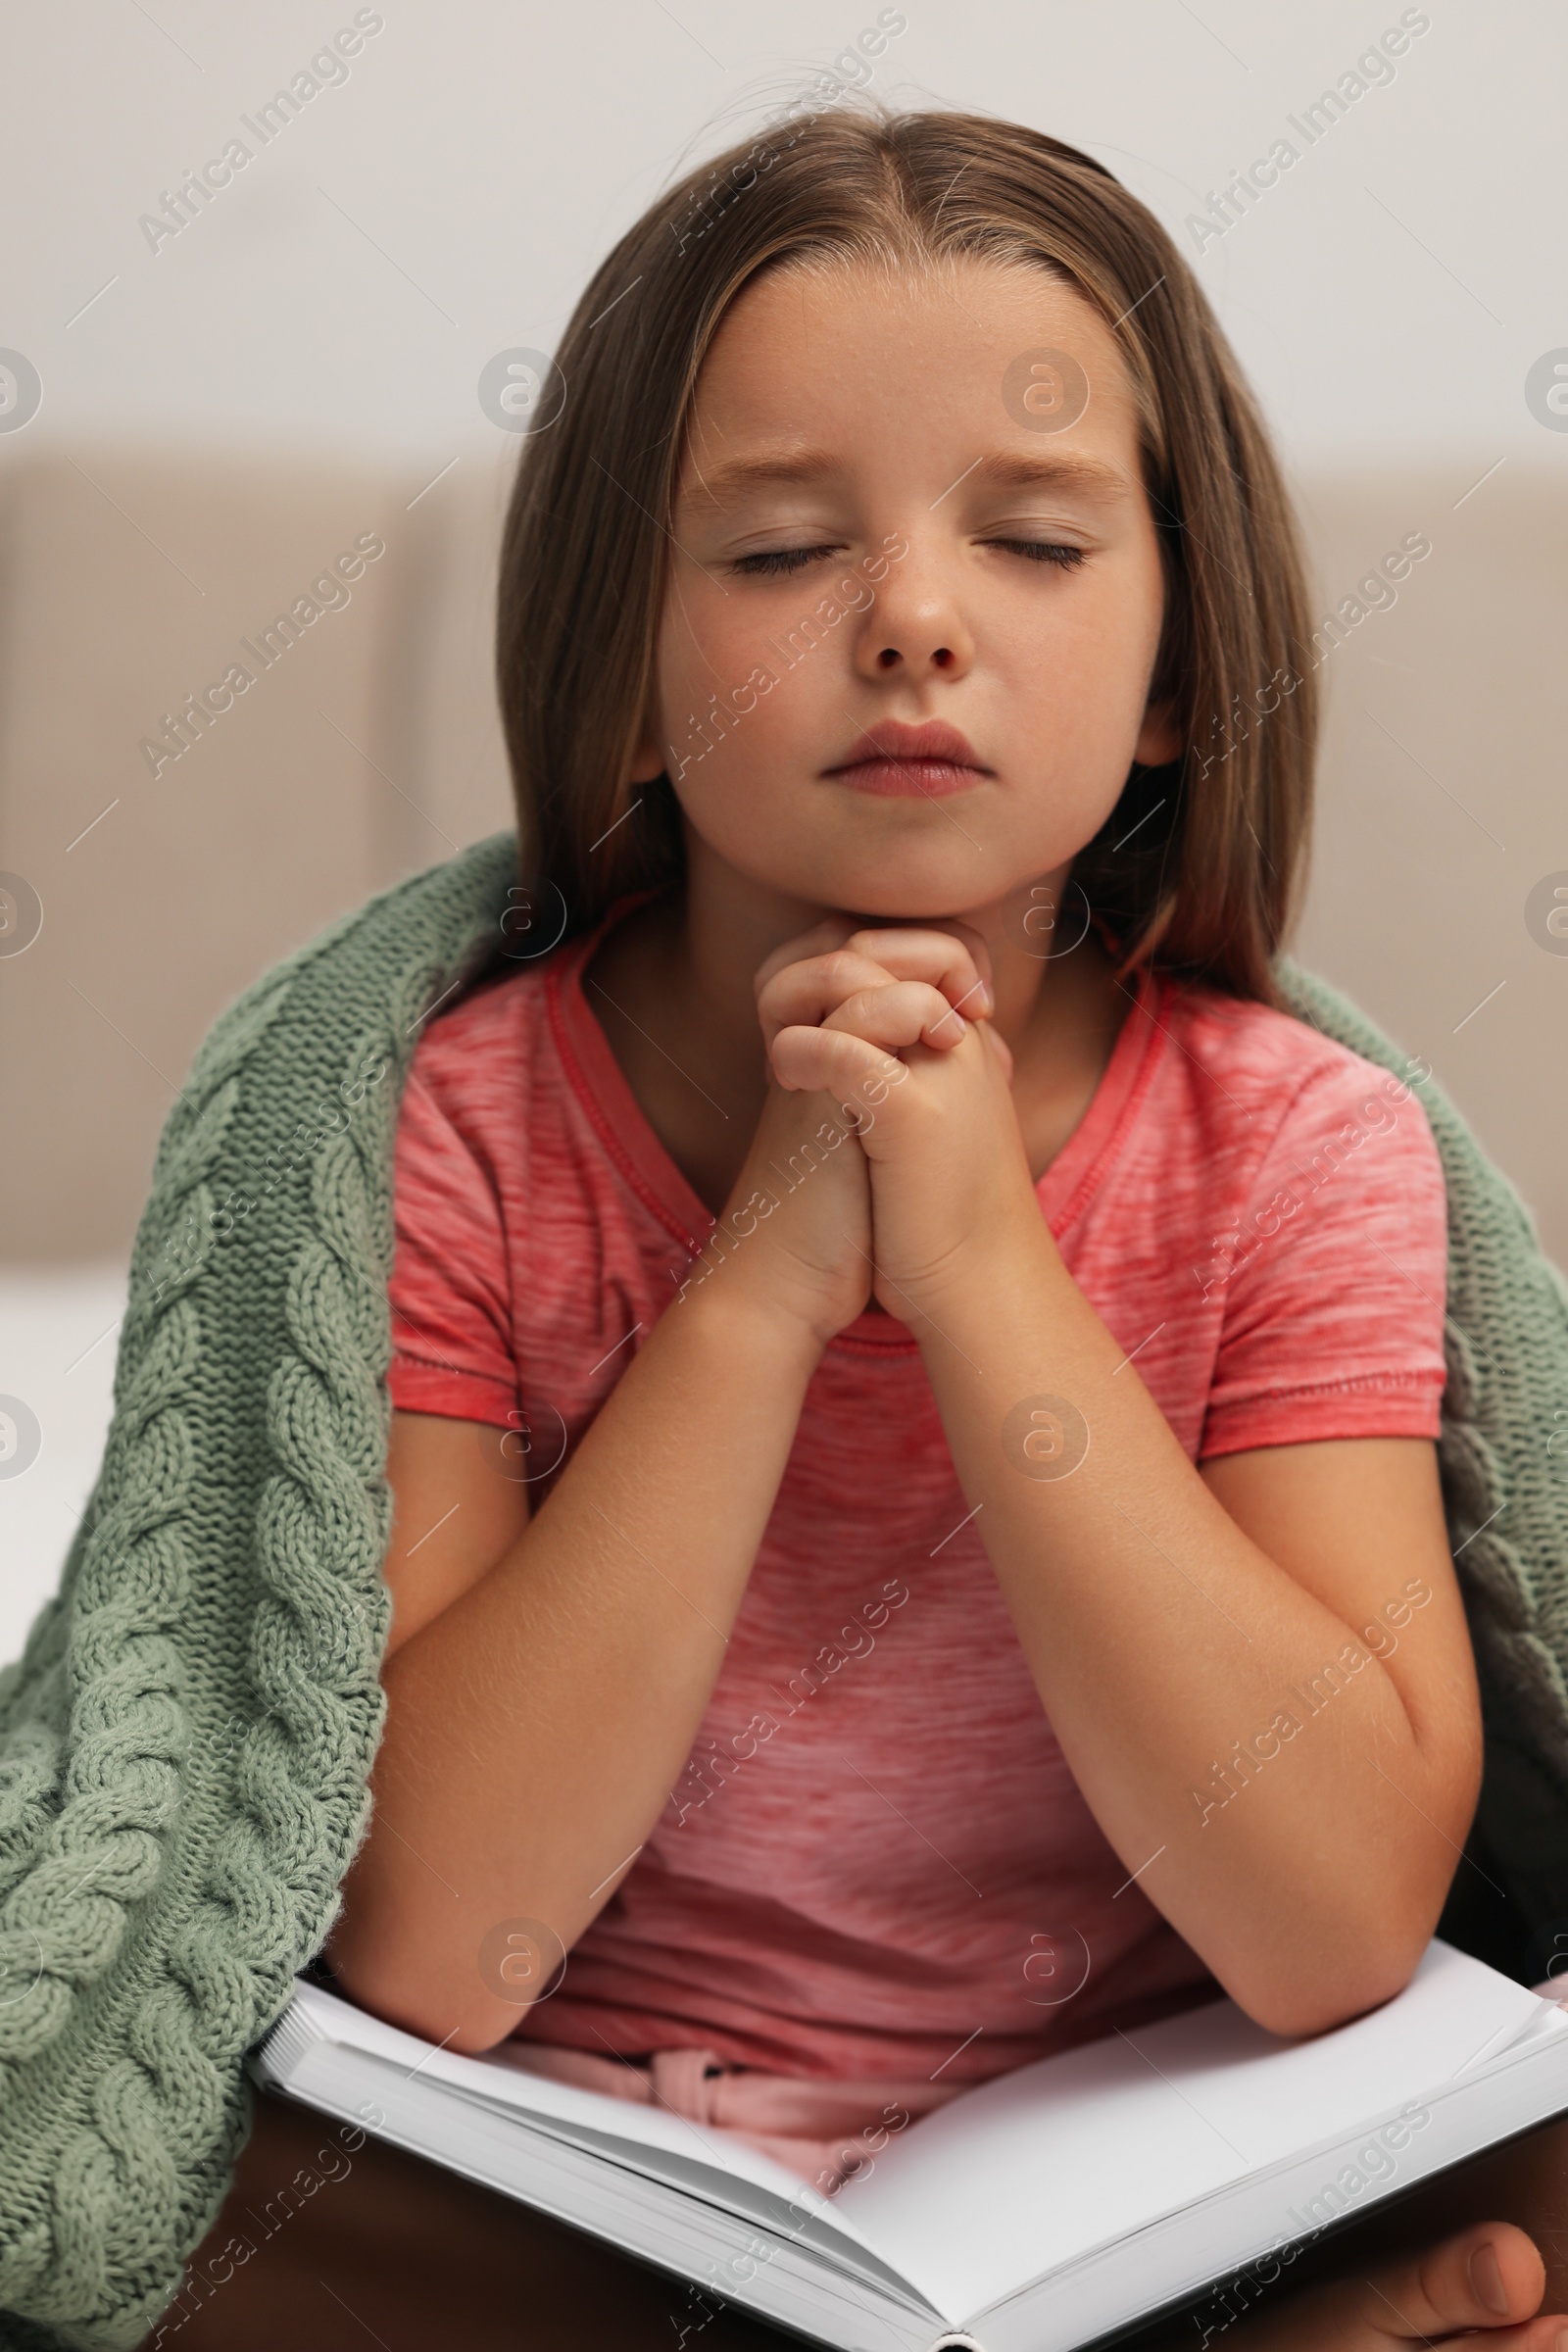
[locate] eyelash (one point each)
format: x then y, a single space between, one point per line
1043 551
776 560
780 561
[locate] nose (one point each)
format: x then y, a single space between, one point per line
917 624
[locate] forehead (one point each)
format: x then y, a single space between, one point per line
853 361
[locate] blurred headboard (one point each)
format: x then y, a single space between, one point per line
177 850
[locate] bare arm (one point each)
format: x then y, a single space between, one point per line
537 1722
546 1676
1287 1775
1291 1776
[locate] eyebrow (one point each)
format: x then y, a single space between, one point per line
1004 469
726 482
1047 469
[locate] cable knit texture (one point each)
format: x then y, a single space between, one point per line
185 1744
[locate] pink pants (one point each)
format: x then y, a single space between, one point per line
825 2131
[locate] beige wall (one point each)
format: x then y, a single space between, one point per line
1441 796
370 750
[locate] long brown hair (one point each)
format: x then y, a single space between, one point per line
1196 870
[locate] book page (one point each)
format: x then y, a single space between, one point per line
563 2105
1033 2169
701 2159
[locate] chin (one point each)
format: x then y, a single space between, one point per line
880 891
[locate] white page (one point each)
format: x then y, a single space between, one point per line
499 2083
568 2109
1036 2167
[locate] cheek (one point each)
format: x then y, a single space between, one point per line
1100 623
706 647
1077 668
739 687
740 786
1123 620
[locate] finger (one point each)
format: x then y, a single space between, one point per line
834 1061
1544 2333
823 938
822 988
951 954
1489 2276
960 966
897 1014
997 1046
802 993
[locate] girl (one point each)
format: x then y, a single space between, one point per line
991 1587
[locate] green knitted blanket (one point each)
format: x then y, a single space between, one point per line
185 1746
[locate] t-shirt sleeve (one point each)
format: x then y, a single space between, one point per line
452 1348
1333 1282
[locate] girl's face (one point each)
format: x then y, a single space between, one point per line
889 510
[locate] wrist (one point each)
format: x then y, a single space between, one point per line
749 1324
983 1283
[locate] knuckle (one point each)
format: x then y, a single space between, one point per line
780 999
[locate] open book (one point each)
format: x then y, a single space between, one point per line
1034 2213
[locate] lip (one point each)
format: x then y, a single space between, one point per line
895 760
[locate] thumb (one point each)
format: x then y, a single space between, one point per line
996 1046
1489 2277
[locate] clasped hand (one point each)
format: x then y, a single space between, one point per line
894 1025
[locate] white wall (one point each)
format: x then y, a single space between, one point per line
448 198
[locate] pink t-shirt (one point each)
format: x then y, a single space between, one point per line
876 1862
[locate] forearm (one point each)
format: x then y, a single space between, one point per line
535 1727
1307 1871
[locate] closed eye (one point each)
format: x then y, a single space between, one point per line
776 559
1042 551
773 562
